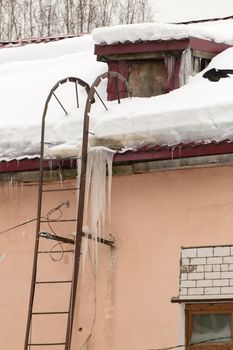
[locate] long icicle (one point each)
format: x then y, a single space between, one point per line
97 199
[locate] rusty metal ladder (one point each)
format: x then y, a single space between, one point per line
65 343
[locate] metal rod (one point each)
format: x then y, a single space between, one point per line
63 220
62 189
60 103
71 241
117 91
100 240
76 92
101 100
36 245
79 227
56 238
55 251
48 282
51 313
45 344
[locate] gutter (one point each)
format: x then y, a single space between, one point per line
146 154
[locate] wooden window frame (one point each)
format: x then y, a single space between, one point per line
204 308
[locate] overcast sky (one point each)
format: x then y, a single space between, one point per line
181 10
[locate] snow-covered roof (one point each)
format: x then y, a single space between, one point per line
201 111
27 75
218 31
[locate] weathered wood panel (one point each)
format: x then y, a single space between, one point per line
147 78
121 67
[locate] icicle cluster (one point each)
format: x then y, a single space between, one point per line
97 213
186 67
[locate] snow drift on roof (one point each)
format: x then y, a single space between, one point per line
218 31
27 75
201 111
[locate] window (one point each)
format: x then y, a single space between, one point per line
209 326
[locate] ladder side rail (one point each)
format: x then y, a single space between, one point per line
40 194
39 205
79 229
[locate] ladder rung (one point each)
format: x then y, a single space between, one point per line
50 313
62 189
50 282
45 344
67 220
55 251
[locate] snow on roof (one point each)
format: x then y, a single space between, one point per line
219 31
27 75
200 111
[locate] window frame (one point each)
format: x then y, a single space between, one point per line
204 308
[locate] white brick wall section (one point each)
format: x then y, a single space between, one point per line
220 283
185 284
228 260
221 251
204 252
185 261
195 291
213 290
226 274
213 275
227 290
216 268
200 268
183 276
183 291
204 283
208 268
189 253
224 267
211 272
214 260
196 276
198 261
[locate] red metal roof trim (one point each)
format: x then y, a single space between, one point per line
175 152
37 40
143 155
34 164
160 45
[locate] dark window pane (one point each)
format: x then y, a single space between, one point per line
210 327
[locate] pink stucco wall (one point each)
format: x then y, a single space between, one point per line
153 215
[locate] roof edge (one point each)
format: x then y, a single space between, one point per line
146 154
